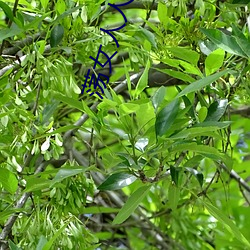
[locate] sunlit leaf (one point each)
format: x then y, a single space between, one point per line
8 180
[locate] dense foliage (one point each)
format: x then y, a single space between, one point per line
161 162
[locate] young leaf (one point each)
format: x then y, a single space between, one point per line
117 181
166 117
162 12
132 203
214 61
186 54
49 244
56 35
8 180
173 196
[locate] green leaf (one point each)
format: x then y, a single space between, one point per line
98 210
56 35
186 54
177 74
202 114
117 181
193 132
41 243
128 108
245 2
166 117
216 110
9 32
143 34
8 180
227 223
214 61
173 196
198 175
70 101
198 85
13 246
223 41
158 97
162 12
219 125
44 3
66 172
174 172
9 211
7 10
143 81
49 244
34 183
132 203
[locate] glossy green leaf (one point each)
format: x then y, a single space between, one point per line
56 35
216 110
228 224
158 97
8 180
214 61
223 41
166 117
174 172
117 181
173 196
198 85
198 175
131 204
